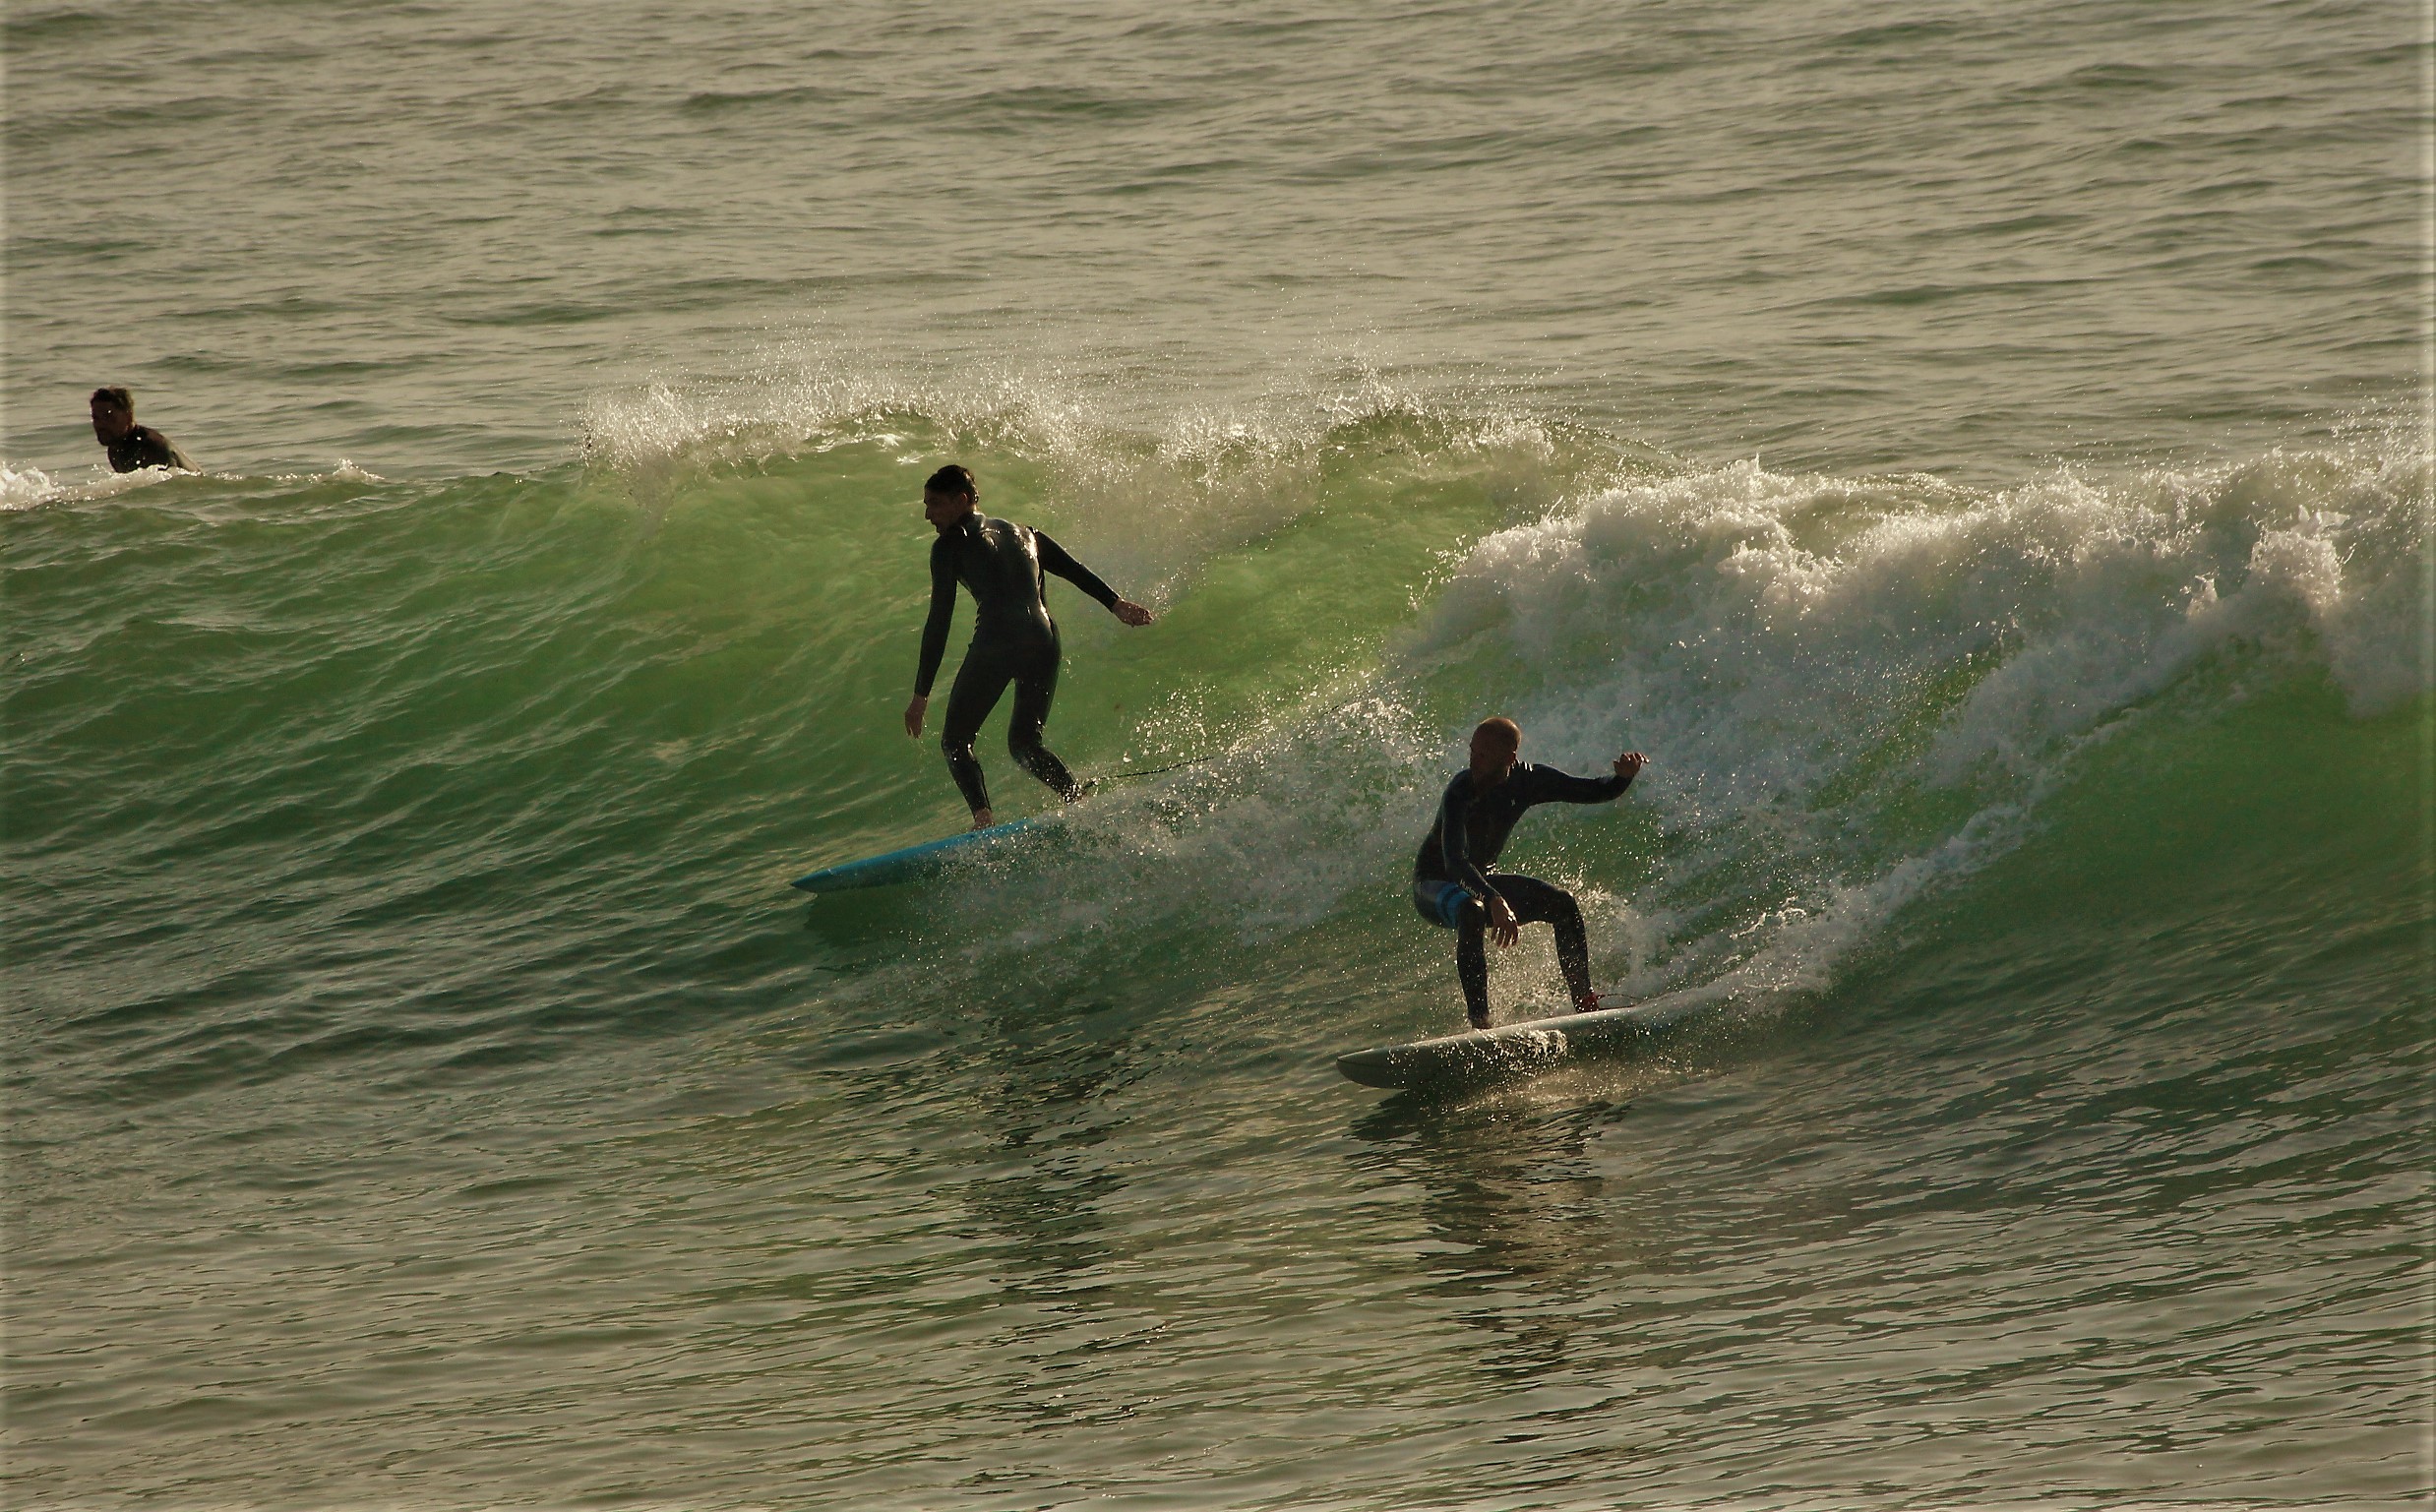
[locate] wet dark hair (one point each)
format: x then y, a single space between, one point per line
951 479
1508 734
115 396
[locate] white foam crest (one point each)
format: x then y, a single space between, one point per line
1775 622
343 470
1803 655
2305 556
812 393
807 394
25 487
1150 496
22 487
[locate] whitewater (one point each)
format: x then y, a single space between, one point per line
1981 458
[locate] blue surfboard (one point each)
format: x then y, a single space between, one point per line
913 863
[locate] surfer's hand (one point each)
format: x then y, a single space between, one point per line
1131 612
913 717
1504 927
1630 764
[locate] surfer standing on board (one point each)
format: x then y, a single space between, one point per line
1013 639
1453 887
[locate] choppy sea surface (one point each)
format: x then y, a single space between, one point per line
1979 452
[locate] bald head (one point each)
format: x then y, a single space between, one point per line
1496 744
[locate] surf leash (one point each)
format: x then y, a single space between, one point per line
1156 771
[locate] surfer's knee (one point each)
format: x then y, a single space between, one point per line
1547 904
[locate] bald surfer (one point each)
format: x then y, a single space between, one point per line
1453 887
129 446
1004 566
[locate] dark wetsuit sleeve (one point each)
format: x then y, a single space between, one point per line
1053 558
1551 786
943 613
1455 842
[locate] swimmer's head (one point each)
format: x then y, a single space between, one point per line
114 413
1496 744
947 496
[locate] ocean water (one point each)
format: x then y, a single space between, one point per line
1979 452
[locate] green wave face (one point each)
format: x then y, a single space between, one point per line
578 726
438 831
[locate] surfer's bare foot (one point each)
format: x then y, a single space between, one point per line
1481 1022
1083 790
1588 1002
983 818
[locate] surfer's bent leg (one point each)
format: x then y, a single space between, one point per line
1035 686
1536 902
978 684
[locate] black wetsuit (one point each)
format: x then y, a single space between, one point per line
1452 883
144 447
1014 641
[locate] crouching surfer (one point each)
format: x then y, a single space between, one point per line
1003 565
1453 887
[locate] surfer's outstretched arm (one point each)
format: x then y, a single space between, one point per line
1054 558
1547 785
934 634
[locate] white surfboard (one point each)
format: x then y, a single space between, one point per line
1508 1050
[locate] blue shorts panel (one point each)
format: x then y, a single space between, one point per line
1441 903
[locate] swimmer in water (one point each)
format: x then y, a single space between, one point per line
1003 565
129 446
1453 887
